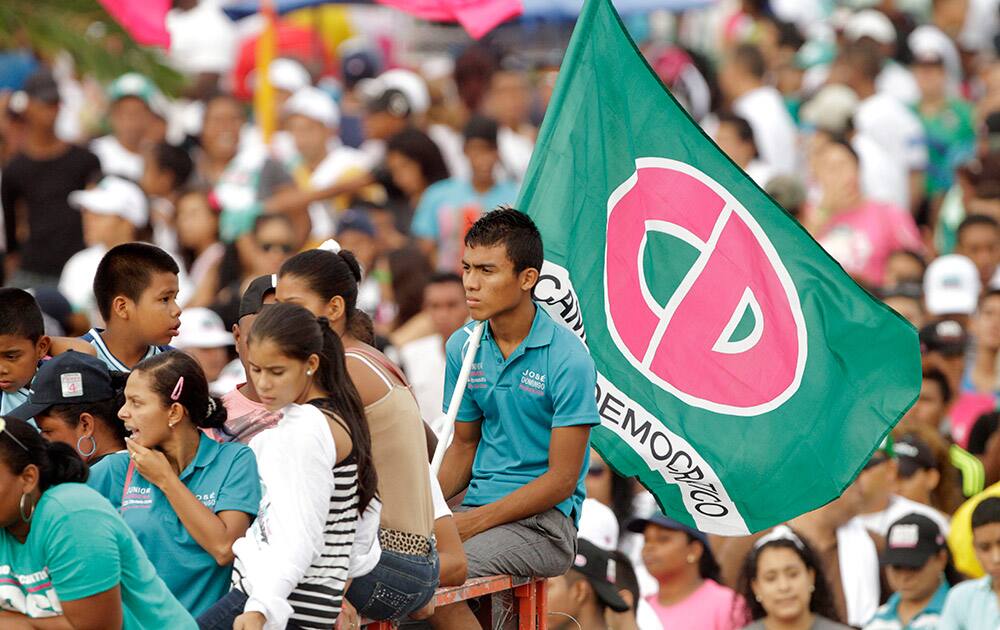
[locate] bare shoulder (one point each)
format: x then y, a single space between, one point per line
368 380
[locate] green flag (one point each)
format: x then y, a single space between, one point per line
743 377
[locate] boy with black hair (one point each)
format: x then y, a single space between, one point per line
580 598
973 605
23 343
978 239
136 292
166 173
522 433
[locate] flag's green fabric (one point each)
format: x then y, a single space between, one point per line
743 376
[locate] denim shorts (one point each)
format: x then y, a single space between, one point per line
399 585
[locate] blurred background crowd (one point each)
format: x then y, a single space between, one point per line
876 123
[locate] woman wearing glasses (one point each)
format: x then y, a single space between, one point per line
67 560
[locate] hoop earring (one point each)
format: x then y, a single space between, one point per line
93 444
26 517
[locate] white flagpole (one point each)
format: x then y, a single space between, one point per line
456 397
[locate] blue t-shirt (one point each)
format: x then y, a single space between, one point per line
971 605
9 401
547 382
79 547
222 476
446 211
93 337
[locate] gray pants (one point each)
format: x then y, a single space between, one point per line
542 545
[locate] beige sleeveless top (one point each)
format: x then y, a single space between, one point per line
399 454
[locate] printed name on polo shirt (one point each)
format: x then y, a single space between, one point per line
137 497
208 500
533 382
477 377
31 594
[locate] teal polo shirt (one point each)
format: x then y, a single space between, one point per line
887 616
549 381
971 605
222 476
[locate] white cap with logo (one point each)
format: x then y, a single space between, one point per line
113 196
202 328
952 286
870 23
315 104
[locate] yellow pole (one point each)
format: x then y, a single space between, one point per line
263 98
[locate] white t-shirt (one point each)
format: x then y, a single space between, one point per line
340 163
882 177
773 127
116 159
441 509
76 282
898 82
515 152
423 360
894 128
879 522
202 39
760 172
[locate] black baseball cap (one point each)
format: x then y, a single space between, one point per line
911 542
600 569
946 336
913 454
639 525
390 100
66 379
253 298
41 85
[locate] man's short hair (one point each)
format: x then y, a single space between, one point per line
750 59
974 220
515 231
126 271
936 375
742 127
20 315
986 513
174 160
445 277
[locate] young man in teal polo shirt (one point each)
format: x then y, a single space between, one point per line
523 429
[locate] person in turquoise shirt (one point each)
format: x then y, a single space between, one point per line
523 428
919 572
64 552
973 605
449 207
186 497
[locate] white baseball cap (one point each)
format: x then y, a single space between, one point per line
831 109
115 196
952 286
286 74
929 44
315 104
407 83
870 23
202 328
599 525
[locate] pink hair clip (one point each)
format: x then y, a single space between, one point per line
178 388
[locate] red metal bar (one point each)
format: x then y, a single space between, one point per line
525 595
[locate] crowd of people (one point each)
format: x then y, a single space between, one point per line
225 356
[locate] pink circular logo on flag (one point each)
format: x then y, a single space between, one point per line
692 345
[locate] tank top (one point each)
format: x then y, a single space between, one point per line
398 452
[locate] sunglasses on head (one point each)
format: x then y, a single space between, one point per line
3 431
596 470
284 248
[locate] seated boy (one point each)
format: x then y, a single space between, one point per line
523 429
136 292
23 343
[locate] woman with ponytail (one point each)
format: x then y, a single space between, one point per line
292 566
186 496
67 560
325 281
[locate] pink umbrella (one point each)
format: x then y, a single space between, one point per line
145 21
478 17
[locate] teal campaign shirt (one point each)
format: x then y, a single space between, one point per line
78 547
447 209
547 382
887 616
971 605
222 476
